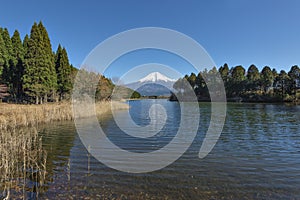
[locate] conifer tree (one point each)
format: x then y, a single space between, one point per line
7 44
49 64
64 72
31 82
3 53
9 60
17 68
39 79
267 78
25 43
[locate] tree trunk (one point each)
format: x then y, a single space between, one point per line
36 100
45 98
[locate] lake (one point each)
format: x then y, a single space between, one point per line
256 157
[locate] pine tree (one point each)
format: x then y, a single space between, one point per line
224 72
267 78
39 79
9 61
64 73
18 69
49 62
7 44
31 82
294 75
25 43
253 77
3 53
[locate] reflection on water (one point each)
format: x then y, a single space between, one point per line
22 164
256 157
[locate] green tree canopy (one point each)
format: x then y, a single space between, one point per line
39 77
64 72
253 74
267 78
224 72
238 74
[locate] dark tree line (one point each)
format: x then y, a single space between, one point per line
30 72
252 85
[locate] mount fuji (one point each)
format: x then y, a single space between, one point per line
154 84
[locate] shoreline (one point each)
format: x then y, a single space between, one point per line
20 115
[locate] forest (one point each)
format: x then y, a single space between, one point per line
252 85
31 72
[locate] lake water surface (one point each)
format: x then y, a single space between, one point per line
256 157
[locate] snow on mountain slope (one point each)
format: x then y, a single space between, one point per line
156 76
154 83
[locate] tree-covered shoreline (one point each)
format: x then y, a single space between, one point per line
32 73
252 85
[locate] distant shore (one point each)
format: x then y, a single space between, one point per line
16 115
254 99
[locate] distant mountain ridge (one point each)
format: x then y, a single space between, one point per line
154 84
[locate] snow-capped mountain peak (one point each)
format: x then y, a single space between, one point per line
156 76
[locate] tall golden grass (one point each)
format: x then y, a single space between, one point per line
22 158
22 161
15 115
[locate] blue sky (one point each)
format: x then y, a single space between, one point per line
260 32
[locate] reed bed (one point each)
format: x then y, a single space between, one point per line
15 115
22 158
22 163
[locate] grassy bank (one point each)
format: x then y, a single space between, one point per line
15 115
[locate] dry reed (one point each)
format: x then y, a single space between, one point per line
22 158
15 115
22 161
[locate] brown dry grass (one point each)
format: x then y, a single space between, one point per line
15 115
22 160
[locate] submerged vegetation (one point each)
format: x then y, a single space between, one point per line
22 163
22 157
30 74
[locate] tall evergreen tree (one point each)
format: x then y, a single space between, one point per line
192 80
253 78
253 73
7 44
50 72
39 79
32 84
18 50
236 83
282 84
224 71
294 75
64 72
238 74
201 89
9 60
4 55
267 78
25 43
17 68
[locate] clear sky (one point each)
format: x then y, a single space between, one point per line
260 32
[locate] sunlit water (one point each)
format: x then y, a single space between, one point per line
256 157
